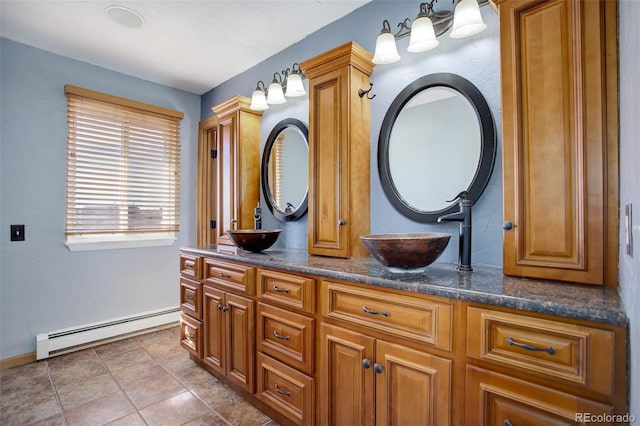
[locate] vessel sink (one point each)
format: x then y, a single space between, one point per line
410 252
254 239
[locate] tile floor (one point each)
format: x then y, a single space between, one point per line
143 380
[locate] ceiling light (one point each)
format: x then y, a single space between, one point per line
124 16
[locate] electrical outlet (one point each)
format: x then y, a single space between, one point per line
628 229
17 232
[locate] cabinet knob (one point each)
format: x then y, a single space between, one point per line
508 423
341 222
377 368
233 221
507 226
222 308
366 364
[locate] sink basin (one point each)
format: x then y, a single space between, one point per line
410 252
254 239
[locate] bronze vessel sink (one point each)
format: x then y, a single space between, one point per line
408 252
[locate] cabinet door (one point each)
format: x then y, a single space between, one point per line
346 385
328 161
412 388
227 163
214 326
555 138
497 400
240 340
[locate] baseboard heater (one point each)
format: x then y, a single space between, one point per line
75 338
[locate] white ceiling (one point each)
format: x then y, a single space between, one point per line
190 45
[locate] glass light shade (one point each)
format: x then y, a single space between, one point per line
423 37
295 87
275 96
467 20
386 51
258 101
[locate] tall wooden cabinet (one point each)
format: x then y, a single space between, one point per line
228 170
559 133
339 139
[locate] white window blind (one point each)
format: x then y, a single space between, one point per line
123 165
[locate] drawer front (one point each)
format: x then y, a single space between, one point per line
191 335
191 297
551 349
191 266
286 336
231 276
496 399
290 290
410 317
286 390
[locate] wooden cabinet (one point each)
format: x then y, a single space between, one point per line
339 139
228 170
559 135
365 381
529 370
191 337
285 335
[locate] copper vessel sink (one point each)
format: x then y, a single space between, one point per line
410 252
254 239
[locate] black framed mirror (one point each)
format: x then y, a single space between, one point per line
285 170
437 139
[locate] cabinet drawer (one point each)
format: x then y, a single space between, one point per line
286 336
191 266
413 318
285 389
229 275
191 297
191 335
496 399
551 349
290 290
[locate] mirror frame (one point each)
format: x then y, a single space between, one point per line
487 143
266 189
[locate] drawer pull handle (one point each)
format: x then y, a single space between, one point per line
188 297
550 350
188 334
280 290
508 423
372 312
189 263
279 336
281 392
222 275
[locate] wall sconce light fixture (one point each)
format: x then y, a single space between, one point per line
465 21
285 84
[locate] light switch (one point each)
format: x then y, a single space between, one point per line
17 232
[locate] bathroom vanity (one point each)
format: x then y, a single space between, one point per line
317 340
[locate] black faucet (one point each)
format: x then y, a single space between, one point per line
464 243
257 217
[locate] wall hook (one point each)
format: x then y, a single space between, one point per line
362 92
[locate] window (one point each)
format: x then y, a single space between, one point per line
123 172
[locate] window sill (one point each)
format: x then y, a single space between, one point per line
115 242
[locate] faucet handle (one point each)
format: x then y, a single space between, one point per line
462 196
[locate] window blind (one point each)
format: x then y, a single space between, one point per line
123 165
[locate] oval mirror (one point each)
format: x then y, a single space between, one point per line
437 139
285 170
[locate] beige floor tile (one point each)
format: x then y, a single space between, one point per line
28 401
82 390
155 337
117 347
137 373
133 419
126 359
177 410
176 361
193 376
211 419
76 365
163 348
100 411
57 420
15 375
215 394
153 390
241 413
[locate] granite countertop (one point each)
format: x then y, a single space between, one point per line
486 285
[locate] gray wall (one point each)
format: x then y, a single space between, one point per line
477 59
629 39
43 286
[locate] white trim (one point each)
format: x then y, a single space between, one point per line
119 241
